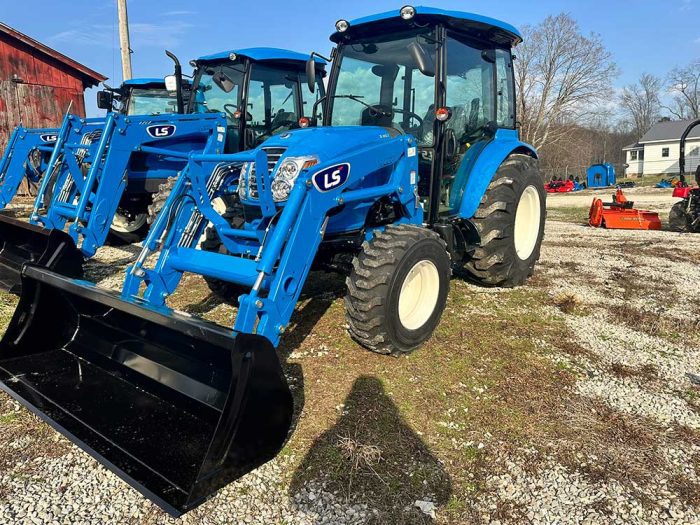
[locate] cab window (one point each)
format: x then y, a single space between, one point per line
505 99
470 89
151 102
380 83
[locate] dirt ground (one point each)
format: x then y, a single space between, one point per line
574 399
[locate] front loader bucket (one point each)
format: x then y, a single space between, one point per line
22 242
175 406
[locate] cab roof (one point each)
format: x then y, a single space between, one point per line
145 82
261 54
488 28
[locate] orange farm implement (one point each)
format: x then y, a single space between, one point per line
621 215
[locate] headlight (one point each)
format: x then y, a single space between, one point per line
287 174
243 180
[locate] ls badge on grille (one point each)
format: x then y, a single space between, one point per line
161 131
49 137
331 178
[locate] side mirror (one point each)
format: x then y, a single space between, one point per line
422 59
105 100
222 80
311 73
171 83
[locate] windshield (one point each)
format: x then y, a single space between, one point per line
151 102
380 83
217 89
277 98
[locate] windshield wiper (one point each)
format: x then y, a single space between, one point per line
358 98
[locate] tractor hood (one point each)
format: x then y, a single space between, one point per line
328 143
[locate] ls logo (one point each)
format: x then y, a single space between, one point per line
161 132
331 178
49 137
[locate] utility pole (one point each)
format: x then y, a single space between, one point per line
124 43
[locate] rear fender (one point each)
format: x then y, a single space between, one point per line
478 167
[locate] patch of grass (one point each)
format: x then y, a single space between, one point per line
574 214
688 490
7 419
648 180
567 302
648 372
654 324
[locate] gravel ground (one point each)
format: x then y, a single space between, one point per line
629 300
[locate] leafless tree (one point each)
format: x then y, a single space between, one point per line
641 104
561 74
684 85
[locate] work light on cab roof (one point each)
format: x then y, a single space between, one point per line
407 12
342 25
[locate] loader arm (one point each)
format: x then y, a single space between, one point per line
16 163
92 175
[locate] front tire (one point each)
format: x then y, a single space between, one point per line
510 222
397 289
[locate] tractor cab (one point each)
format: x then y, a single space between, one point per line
262 91
445 77
139 96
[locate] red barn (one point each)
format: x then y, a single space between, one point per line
38 83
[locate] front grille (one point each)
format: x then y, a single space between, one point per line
273 157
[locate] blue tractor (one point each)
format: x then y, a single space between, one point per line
411 167
29 149
104 174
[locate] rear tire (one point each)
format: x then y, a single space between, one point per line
510 222
397 289
678 218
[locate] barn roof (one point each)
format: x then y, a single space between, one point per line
669 130
88 76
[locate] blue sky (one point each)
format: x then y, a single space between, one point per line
643 35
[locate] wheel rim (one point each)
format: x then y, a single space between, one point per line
419 295
527 223
124 224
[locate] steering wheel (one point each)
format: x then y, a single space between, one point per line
281 122
411 115
229 112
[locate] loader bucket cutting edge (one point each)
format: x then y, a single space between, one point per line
22 242
175 406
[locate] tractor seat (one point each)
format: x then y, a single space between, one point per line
458 123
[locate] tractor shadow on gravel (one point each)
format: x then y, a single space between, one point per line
372 456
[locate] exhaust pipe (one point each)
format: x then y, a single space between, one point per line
175 406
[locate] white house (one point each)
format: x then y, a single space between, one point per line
658 150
